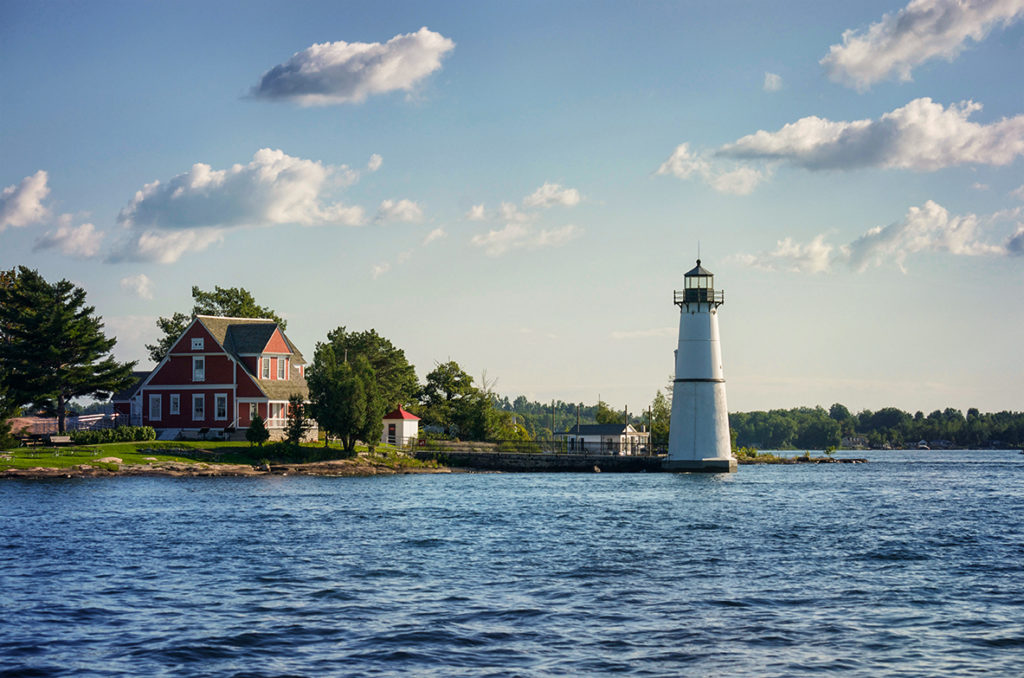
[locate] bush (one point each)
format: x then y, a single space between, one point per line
121 434
257 433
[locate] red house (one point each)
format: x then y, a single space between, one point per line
218 374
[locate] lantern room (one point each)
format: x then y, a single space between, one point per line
699 287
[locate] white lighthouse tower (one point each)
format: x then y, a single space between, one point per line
699 434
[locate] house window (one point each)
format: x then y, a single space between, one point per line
175 405
154 407
198 406
281 363
254 409
197 344
266 368
198 368
276 415
220 406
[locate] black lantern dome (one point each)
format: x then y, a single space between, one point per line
699 287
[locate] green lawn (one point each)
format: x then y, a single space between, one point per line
73 455
189 451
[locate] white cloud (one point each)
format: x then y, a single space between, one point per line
476 213
274 188
741 181
928 228
772 82
509 212
978 186
644 334
401 210
380 269
920 136
140 285
814 257
192 210
550 195
164 247
375 162
349 72
518 236
436 234
1018 192
921 31
82 242
684 164
22 204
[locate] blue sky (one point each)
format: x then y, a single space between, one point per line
520 186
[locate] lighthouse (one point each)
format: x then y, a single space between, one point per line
699 428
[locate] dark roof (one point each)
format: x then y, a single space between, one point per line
246 335
598 429
285 388
127 393
697 270
251 335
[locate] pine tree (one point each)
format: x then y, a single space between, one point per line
257 433
53 348
298 420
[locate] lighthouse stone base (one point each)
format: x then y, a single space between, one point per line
710 465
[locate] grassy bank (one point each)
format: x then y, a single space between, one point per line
208 452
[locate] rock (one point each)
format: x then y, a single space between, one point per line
108 460
597 469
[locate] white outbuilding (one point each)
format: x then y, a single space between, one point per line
400 427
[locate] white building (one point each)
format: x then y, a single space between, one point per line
620 439
699 429
400 427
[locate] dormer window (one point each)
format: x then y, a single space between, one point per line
266 368
281 365
197 344
198 368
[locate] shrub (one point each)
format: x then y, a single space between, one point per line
121 434
257 433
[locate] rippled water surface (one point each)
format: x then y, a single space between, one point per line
909 565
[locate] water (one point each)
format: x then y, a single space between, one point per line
910 565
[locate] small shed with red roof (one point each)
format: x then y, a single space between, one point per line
400 427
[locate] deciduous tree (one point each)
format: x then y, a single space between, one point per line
233 302
344 397
396 378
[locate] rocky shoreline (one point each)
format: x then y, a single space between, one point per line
176 469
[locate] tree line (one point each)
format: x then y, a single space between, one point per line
817 428
53 350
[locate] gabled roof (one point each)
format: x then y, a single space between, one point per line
246 335
697 270
127 393
282 389
598 429
400 413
